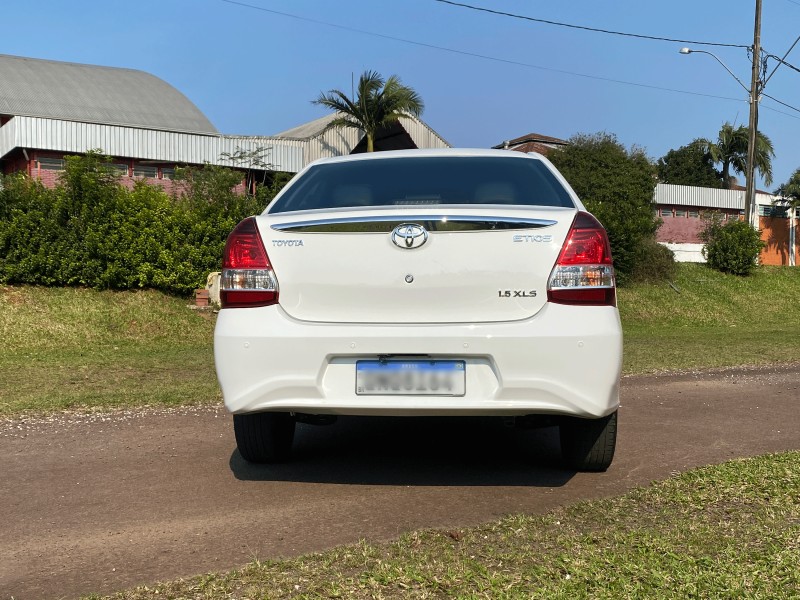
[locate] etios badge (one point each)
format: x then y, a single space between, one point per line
409 235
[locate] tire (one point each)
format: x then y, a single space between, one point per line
588 444
264 437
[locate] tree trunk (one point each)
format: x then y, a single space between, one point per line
726 177
370 142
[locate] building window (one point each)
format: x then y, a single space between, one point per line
145 171
694 214
780 212
167 173
666 212
680 213
51 164
120 168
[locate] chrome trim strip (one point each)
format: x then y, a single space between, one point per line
527 223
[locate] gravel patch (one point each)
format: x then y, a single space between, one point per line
64 421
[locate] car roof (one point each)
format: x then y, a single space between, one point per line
429 153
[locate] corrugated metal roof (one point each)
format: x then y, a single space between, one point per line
422 134
308 130
702 197
316 139
93 94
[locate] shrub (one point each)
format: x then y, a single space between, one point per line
92 231
731 248
653 262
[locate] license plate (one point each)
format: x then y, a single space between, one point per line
410 378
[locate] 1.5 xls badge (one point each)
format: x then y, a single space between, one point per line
516 293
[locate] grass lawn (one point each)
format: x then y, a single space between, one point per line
712 320
73 348
725 531
84 349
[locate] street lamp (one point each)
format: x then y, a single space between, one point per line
753 95
739 81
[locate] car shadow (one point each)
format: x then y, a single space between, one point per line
420 451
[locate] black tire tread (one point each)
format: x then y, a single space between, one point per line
264 437
589 444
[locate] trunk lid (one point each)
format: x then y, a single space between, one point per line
483 264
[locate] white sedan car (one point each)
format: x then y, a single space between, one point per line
424 282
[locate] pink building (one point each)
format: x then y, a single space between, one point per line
680 207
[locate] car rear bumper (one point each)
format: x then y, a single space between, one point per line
565 360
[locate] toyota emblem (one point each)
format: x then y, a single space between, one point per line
409 235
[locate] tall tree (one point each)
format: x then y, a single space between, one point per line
616 184
730 150
689 165
378 103
791 190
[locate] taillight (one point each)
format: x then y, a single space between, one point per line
583 273
247 276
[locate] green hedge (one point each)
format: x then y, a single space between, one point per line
92 231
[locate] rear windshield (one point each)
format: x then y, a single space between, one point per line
425 181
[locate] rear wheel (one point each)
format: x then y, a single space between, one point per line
588 444
264 437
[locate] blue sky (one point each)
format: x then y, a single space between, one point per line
254 72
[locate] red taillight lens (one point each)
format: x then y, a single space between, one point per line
247 276
583 273
244 248
587 243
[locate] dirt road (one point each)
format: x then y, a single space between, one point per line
101 503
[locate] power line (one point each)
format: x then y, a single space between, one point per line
783 62
781 102
494 58
585 28
481 56
780 112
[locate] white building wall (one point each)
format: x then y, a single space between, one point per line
332 142
144 144
285 154
423 136
686 252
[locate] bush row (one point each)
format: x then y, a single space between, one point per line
91 231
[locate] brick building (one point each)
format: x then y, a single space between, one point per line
680 208
532 142
49 109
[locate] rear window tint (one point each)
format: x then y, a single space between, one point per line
425 181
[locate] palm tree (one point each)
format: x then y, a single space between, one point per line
790 190
730 149
378 104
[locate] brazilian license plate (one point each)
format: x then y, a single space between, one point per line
410 378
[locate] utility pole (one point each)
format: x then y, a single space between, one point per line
755 96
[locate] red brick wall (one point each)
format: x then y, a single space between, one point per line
680 230
50 177
14 163
678 226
